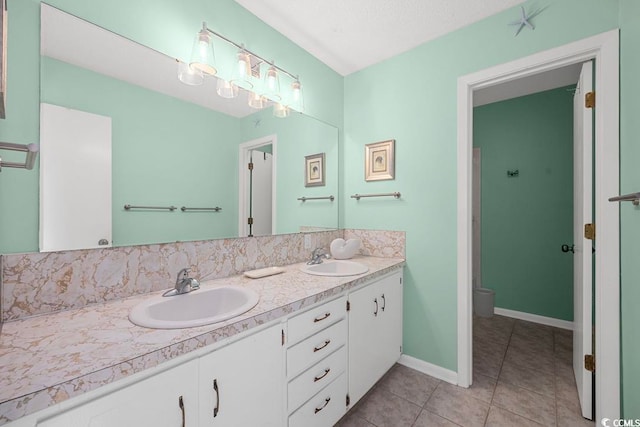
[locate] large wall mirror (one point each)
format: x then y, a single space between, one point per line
177 145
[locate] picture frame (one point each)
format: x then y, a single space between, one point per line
379 161
314 170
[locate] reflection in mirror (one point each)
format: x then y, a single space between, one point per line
179 145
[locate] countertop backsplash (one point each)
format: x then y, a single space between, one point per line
40 283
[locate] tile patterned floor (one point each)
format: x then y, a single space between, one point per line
522 377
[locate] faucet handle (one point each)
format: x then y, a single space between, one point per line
182 275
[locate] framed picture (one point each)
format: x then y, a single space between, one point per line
379 161
314 170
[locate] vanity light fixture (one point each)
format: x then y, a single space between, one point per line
281 111
257 101
245 73
203 57
226 89
188 75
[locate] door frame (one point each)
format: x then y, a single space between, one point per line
243 191
603 48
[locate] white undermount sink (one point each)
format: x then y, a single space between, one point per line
197 308
335 268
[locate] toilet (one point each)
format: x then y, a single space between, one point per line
483 300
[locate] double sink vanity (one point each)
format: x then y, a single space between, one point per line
310 343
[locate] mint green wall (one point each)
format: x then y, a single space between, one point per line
299 136
526 219
412 98
629 214
164 25
165 152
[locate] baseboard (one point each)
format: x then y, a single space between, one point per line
549 321
429 369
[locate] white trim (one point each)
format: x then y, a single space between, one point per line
243 159
429 369
604 49
535 318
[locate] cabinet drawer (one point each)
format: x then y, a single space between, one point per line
317 347
325 408
318 318
316 378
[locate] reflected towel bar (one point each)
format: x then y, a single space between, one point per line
632 197
30 149
216 209
304 199
170 208
359 196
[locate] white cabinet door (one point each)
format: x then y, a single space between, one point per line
242 384
375 333
168 399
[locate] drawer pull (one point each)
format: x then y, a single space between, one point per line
326 402
216 408
326 343
319 319
375 312
326 371
384 302
181 405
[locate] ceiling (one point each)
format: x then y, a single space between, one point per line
349 35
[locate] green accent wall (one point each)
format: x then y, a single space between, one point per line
413 99
629 214
527 218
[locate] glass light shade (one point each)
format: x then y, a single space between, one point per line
226 89
297 98
202 56
281 111
242 75
272 82
188 75
257 101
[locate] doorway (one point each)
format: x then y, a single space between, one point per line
604 50
257 195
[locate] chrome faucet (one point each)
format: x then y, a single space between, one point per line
317 255
184 284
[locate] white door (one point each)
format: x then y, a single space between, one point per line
75 179
261 193
582 261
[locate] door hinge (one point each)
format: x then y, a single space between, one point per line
590 99
250 221
282 336
348 400
401 280
590 362
348 306
590 231
250 166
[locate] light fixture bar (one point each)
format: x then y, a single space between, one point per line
250 52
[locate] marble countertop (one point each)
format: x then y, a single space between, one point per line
47 359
